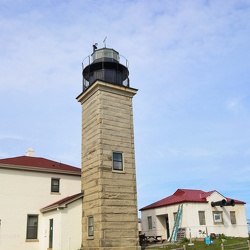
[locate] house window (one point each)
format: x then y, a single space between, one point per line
202 219
175 215
117 161
218 219
55 184
150 225
232 217
90 226
32 225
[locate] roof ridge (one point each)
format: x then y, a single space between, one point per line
37 163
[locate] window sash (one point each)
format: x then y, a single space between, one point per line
150 225
32 227
117 161
218 219
90 226
232 217
202 219
55 184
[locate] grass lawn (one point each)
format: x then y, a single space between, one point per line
200 245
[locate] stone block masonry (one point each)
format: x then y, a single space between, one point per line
109 196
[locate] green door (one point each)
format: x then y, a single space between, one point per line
51 233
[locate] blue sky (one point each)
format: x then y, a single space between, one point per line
188 58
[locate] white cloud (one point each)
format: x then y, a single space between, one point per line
237 105
189 59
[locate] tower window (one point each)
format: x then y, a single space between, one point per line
90 226
117 161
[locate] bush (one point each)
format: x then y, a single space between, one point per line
222 236
185 240
212 236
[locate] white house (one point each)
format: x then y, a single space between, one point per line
200 214
41 204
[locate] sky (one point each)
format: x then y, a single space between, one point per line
189 60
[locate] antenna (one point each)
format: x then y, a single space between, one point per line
104 41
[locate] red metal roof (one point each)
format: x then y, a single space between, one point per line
62 203
184 195
38 163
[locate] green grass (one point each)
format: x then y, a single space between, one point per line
200 245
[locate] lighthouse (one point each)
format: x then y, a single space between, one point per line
109 216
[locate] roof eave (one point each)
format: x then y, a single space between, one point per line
61 205
171 204
39 169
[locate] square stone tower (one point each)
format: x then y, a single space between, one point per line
109 216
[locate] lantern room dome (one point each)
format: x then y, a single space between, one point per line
104 65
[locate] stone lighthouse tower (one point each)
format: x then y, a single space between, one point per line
109 217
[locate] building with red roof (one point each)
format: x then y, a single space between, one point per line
41 203
196 213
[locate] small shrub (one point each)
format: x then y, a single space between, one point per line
222 236
212 236
185 240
